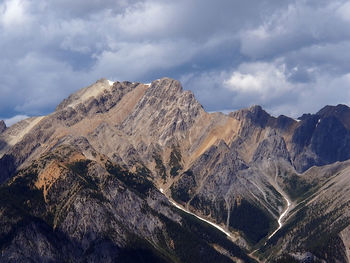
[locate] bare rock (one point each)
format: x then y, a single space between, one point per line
2 126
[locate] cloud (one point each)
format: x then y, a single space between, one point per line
344 11
295 27
13 13
143 58
263 80
274 86
209 90
231 54
15 119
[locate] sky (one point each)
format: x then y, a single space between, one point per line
290 57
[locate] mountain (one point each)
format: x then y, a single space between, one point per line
2 126
132 172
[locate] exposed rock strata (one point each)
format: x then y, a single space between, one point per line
226 168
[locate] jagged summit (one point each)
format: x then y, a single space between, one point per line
332 110
106 94
121 150
163 113
2 126
341 112
255 114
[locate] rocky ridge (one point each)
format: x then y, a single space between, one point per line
2 126
229 169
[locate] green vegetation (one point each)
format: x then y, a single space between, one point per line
175 162
216 208
329 247
160 166
81 168
251 220
272 197
179 194
311 225
141 255
180 191
194 239
201 204
140 250
21 196
285 259
23 204
135 181
296 186
191 240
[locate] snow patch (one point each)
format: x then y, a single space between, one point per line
110 82
318 122
205 220
280 224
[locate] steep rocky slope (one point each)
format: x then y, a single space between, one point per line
67 208
2 126
109 152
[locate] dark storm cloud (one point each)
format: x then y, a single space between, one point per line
230 53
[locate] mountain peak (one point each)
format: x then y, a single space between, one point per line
103 155
334 110
341 112
255 113
2 126
165 86
84 94
255 108
161 87
164 110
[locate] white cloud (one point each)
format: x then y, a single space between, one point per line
14 13
208 89
231 54
50 81
134 61
147 18
300 25
15 119
344 11
263 80
269 85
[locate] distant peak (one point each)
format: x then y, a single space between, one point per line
165 87
341 112
305 116
334 110
255 113
2 126
255 108
102 80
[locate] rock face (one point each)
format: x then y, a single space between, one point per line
322 138
83 183
2 126
66 208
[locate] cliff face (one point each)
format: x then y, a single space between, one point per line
2 126
88 177
67 208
